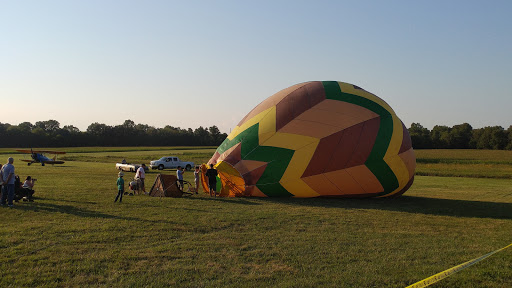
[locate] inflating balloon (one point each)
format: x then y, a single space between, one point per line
317 139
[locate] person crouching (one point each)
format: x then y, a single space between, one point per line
28 186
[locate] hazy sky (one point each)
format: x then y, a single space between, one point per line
204 63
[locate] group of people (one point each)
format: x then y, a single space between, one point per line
211 174
8 183
140 176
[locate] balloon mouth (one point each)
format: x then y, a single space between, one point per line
233 184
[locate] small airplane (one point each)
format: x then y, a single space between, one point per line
39 157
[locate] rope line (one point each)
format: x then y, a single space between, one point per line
439 276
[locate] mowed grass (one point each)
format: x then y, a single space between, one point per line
465 163
74 235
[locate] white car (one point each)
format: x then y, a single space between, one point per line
170 162
129 167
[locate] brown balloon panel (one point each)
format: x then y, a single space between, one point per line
317 139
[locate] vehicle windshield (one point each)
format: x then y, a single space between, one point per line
163 158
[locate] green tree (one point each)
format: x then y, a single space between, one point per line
491 137
440 136
71 129
202 136
98 129
460 136
509 137
26 126
420 136
129 124
499 138
48 126
215 135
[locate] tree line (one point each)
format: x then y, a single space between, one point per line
461 136
50 134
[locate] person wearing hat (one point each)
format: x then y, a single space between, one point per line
120 187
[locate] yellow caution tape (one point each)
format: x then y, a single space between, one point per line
439 276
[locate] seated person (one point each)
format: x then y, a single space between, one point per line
28 185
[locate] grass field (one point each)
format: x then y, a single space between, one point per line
465 163
73 235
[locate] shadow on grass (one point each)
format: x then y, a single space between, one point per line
67 200
81 212
147 205
411 204
62 166
235 200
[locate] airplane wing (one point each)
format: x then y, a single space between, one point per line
29 161
39 151
48 151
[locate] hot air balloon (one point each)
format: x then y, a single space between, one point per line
316 139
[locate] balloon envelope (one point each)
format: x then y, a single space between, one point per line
317 139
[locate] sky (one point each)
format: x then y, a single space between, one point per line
202 63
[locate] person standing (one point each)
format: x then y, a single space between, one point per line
212 180
196 179
120 187
8 180
141 174
179 174
1 179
